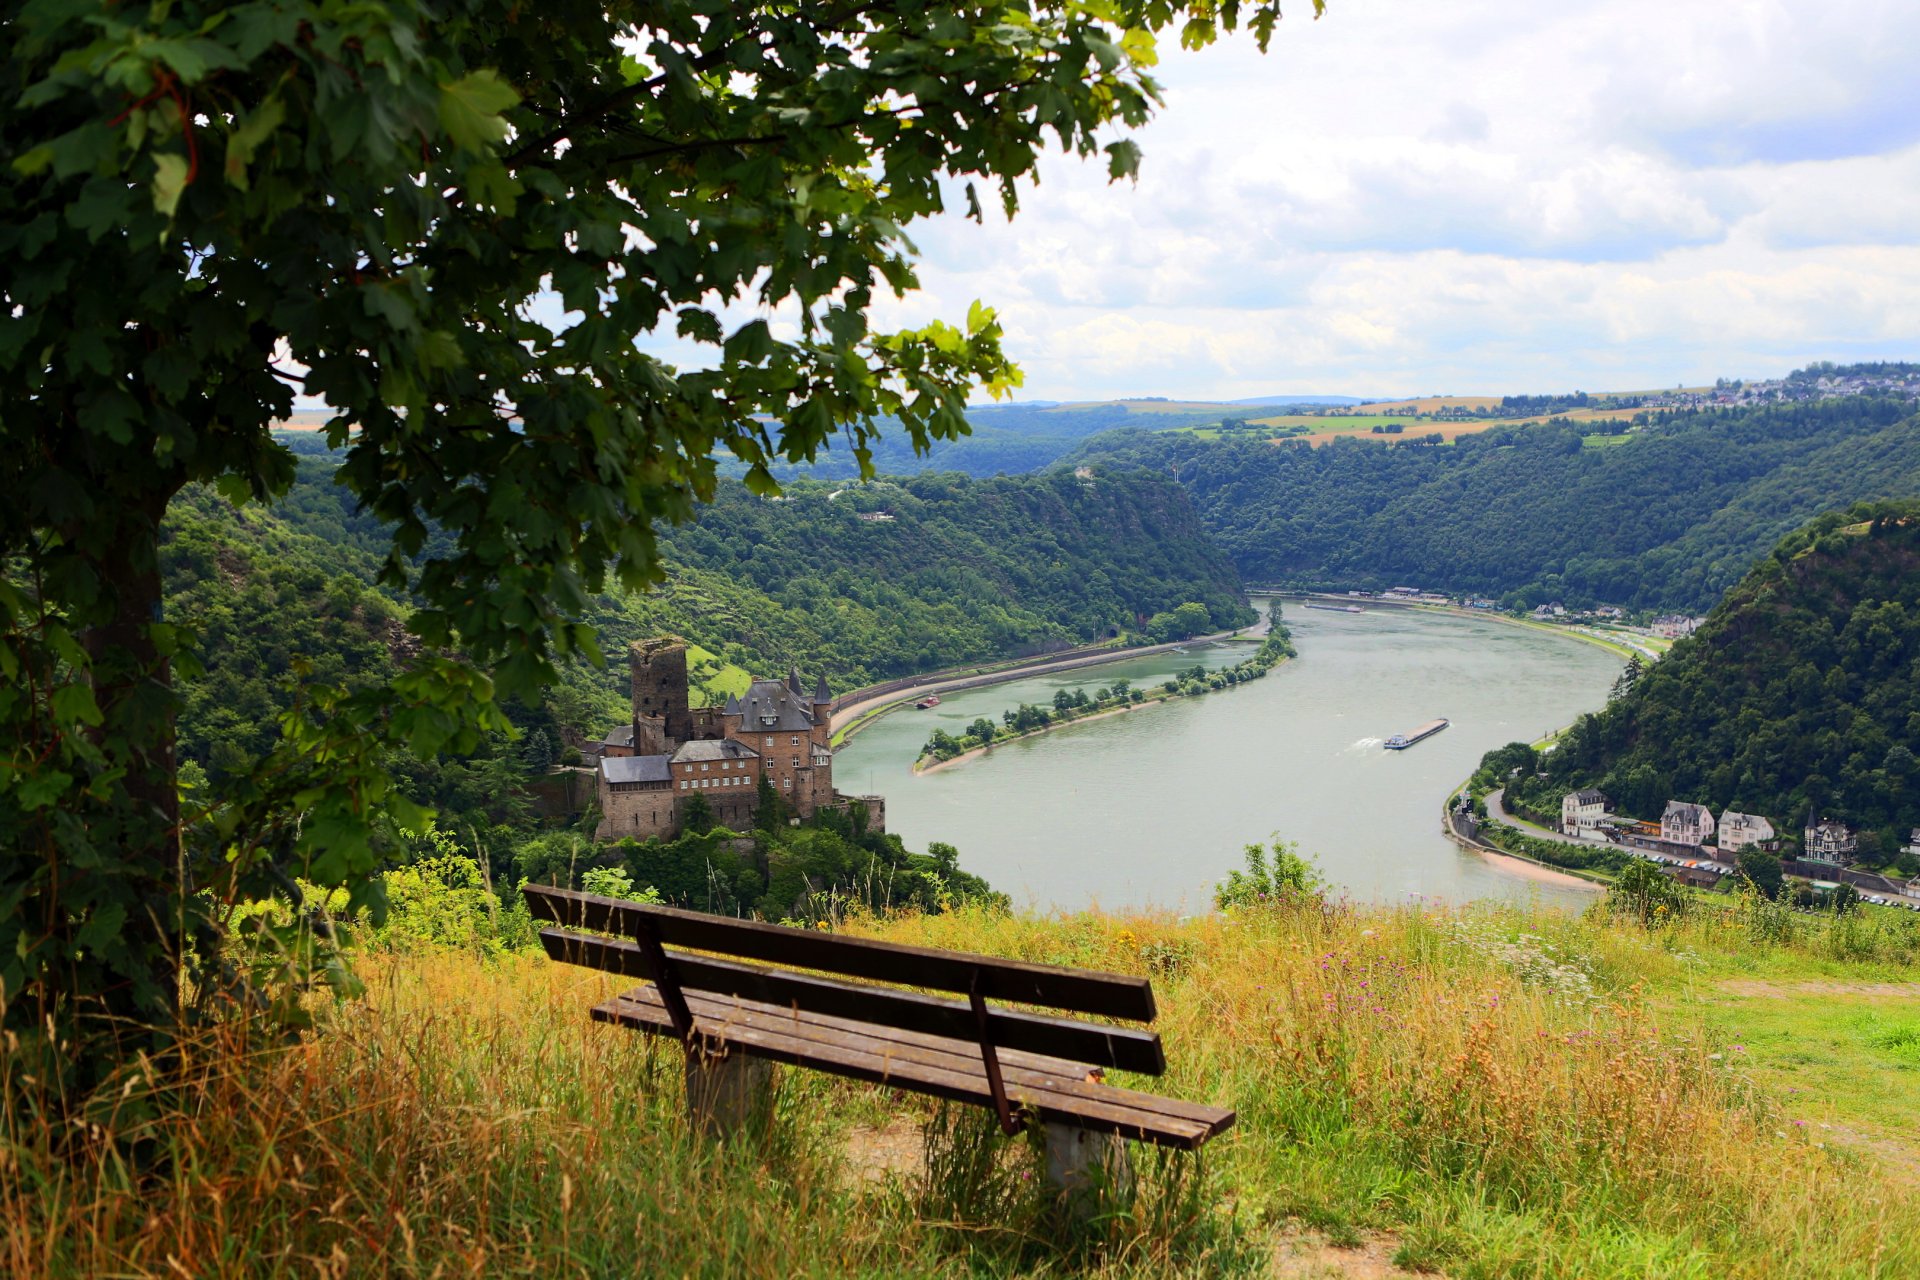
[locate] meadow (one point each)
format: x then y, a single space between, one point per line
1475 1092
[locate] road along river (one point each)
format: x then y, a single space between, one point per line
1152 808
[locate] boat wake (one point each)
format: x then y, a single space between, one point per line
1365 744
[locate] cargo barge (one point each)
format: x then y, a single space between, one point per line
1338 608
1401 741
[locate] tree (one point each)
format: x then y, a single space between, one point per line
210 206
696 817
537 751
1628 677
1763 870
1645 892
982 730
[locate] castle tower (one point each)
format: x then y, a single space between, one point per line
660 690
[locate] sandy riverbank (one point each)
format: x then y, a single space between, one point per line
1535 871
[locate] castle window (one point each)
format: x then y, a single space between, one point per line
769 740
787 783
795 742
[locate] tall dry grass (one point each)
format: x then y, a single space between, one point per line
1489 1084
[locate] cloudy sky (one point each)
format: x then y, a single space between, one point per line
1409 197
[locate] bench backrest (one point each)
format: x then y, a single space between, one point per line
643 932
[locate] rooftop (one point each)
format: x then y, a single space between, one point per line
617 769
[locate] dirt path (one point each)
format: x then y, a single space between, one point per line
1787 990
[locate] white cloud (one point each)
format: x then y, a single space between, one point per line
1479 196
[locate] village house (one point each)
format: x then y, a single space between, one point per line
777 733
1743 831
1830 841
1683 823
1583 813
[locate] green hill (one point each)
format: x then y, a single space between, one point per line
1799 696
1668 518
861 583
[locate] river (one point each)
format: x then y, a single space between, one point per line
1152 808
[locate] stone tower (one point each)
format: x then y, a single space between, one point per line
660 691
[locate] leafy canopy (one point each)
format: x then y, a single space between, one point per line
206 207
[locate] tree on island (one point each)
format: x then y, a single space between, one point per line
209 209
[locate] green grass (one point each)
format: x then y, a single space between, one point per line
1496 1091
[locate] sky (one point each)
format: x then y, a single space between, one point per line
1414 198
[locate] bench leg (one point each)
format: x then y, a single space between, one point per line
1089 1173
728 1095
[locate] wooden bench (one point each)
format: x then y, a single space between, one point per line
1022 1066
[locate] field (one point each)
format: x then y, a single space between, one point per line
1478 1092
1433 404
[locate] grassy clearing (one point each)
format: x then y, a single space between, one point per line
1497 1092
1336 422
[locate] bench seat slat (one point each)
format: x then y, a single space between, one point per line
1075 990
784 1035
1117 1048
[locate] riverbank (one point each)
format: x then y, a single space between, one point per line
1030 721
1517 864
854 717
1622 648
924 766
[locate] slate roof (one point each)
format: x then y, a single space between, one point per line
820 693
1589 796
714 749
621 736
635 769
774 706
1732 821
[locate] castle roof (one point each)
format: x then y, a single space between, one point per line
732 708
714 749
777 706
793 682
820 693
635 769
621 736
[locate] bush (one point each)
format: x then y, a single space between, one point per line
1276 874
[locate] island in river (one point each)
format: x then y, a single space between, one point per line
1152 808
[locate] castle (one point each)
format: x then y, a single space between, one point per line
651 769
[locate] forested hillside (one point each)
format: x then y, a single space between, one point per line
1669 517
1800 695
1010 439
859 583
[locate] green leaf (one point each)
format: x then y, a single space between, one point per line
74 702
256 129
169 183
470 109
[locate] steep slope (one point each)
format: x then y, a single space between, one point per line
859 583
1669 519
1799 696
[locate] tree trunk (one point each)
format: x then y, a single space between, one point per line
133 687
